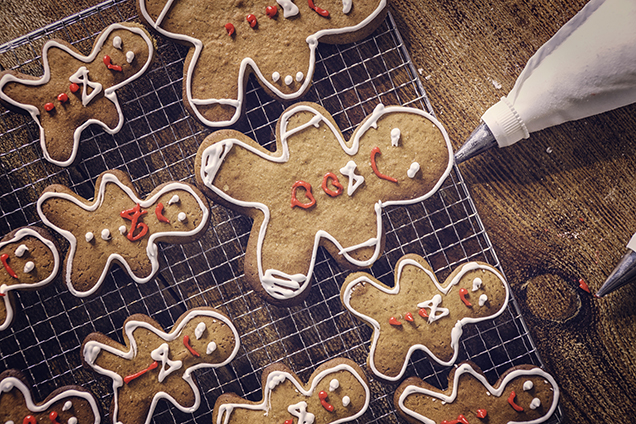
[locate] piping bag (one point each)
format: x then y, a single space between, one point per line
588 67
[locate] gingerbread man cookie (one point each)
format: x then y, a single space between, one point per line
155 365
69 404
418 313
317 189
337 392
30 260
119 227
524 394
275 40
76 90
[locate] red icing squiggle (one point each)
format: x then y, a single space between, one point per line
335 182
133 215
294 199
318 10
511 401
376 151
110 65
186 343
271 11
323 401
159 213
130 378
5 262
460 420
462 294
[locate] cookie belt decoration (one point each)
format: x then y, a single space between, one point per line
156 365
76 90
317 189
119 227
523 394
418 313
30 261
67 405
275 40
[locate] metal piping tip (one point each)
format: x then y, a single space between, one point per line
479 141
624 273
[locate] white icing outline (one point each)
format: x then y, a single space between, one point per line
277 377
5 289
109 92
466 368
456 332
92 349
291 286
151 249
312 42
9 383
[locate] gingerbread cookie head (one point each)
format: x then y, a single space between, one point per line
419 313
69 404
275 40
30 261
318 189
76 90
337 392
156 365
524 394
119 227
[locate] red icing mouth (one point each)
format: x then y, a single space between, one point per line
110 66
323 400
5 261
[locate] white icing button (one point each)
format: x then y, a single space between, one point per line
21 250
182 217
275 76
68 405
476 284
334 384
299 76
528 385
211 348
105 234
198 332
483 299
28 267
346 401
117 42
89 236
395 137
123 229
130 56
174 199
415 167
536 402
289 80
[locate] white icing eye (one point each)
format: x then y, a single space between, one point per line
483 299
395 137
299 76
130 56
275 76
289 80
528 385
198 332
346 401
346 6
105 234
415 167
122 229
174 199
68 405
89 237
211 348
182 217
21 250
72 420
28 267
477 284
536 402
117 42
333 385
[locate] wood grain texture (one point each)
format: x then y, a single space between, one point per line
557 207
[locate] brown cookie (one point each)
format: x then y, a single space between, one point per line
68 404
30 260
118 227
275 40
524 394
337 391
419 313
155 365
76 90
317 189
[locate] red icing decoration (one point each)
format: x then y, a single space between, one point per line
159 213
511 401
73 87
53 417
5 261
186 343
229 28
294 199
321 12
394 321
289 422
252 20
133 215
422 313
460 419
482 413
62 97
49 106
334 181
271 11
110 65
29 419
376 151
584 286
130 378
408 316
462 294
323 400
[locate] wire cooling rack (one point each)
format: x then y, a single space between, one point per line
157 144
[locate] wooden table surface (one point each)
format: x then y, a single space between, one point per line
557 207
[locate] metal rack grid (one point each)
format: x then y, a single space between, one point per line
157 144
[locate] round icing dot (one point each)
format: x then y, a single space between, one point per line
289 80
528 385
28 267
72 420
211 348
346 6
198 331
334 384
174 199
483 299
130 56
89 236
477 284
105 234
68 405
395 136
413 169
299 76
182 217
122 229
275 76
21 250
117 42
346 401
536 402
